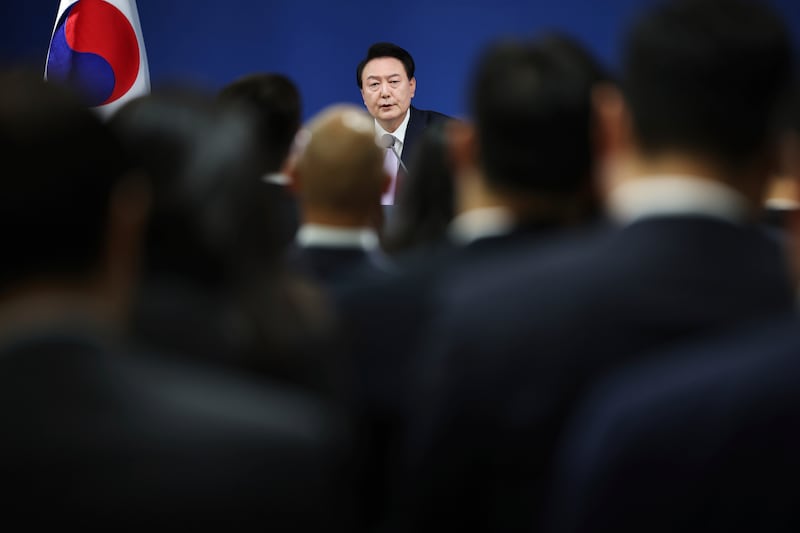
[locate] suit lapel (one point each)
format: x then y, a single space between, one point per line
416 125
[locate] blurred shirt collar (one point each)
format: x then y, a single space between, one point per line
399 133
276 178
479 223
675 195
319 235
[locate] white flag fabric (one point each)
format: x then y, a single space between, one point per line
97 46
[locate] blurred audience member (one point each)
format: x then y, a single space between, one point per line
525 165
215 287
96 433
274 101
338 177
519 339
700 439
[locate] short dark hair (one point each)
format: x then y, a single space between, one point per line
531 103
274 100
61 165
706 77
200 154
386 50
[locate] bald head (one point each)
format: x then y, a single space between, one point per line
339 167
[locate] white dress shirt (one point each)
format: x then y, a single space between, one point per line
319 235
664 195
391 162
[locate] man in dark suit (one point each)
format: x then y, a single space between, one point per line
387 83
274 101
520 338
95 433
702 439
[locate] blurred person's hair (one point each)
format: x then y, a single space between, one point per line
705 77
61 165
196 155
339 164
531 104
212 233
275 102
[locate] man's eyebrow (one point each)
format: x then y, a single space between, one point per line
376 77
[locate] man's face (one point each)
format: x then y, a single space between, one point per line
387 91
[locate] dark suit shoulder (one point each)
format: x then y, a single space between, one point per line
701 424
426 116
107 435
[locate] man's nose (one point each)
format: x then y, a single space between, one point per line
384 89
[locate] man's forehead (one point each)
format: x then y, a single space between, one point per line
384 67
374 75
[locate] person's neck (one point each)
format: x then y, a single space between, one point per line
391 126
523 206
749 180
673 163
333 218
42 304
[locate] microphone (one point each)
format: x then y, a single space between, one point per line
388 140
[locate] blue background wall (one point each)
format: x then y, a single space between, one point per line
318 43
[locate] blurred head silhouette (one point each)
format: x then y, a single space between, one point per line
216 288
528 146
338 172
702 82
71 211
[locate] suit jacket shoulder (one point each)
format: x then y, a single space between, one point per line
426 116
419 120
714 458
100 434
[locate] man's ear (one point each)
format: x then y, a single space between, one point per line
129 211
412 84
613 127
128 215
290 169
290 166
612 137
462 145
295 182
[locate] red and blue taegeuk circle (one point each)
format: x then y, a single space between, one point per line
95 48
